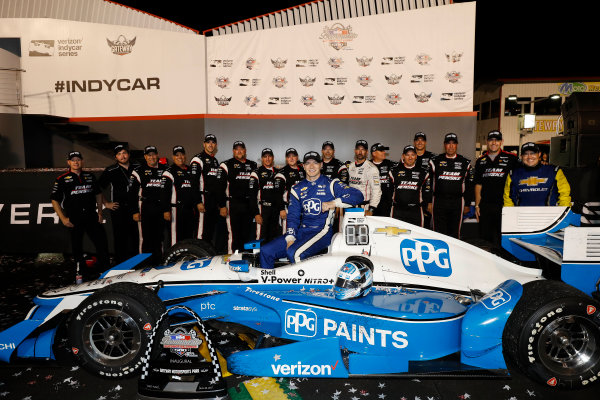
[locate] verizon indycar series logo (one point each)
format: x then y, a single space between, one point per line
223 100
311 62
422 97
393 60
364 61
453 96
307 81
216 63
308 100
338 36
364 99
121 45
300 322
426 257
393 98
279 63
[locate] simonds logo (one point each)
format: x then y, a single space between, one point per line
426 257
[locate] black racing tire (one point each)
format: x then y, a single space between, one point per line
188 250
553 335
110 330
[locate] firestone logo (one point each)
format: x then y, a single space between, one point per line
338 36
121 45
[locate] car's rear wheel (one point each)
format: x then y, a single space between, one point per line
188 250
553 335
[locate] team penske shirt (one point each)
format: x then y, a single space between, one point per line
491 175
387 190
451 177
177 189
542 185
206 173
335 169
77 194
264 189
235 179
423 159
145 186
411 185
288 177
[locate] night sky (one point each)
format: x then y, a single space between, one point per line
514 38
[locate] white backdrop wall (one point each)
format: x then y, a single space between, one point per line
418 61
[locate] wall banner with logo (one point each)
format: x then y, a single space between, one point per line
418 61
79 69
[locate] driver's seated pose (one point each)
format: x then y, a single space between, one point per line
310 215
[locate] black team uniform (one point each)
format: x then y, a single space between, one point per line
411 192
125 230
384 208
335 169
491 175
423 162
179 196
285 179
77 197
206 175
265 199
235 196
452 189
144 198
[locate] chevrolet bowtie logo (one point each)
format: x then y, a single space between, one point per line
391 231
532 181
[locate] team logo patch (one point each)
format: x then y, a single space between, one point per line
75 350
147 327
426 257
590 310
552 381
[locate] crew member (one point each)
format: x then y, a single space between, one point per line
378 158
536 184
452 179
491 170
423 158
411 186
77 200
332 167
310 215
364 176
235 201
125 230
179 199
265 198
144 199
287 177
206 173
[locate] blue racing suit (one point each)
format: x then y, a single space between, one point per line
307 224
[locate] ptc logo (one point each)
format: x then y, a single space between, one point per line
312 206
300 322
426 257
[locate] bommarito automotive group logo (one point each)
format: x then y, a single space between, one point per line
121 46
338 36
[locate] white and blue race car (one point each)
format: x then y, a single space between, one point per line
437 304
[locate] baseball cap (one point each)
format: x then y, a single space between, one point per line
210 138
379 147
73 154
266 151
328 143
291 150
312 155
118 148
178 149
450 137
238 143
150 149
408 148
362 143
530 146
495 134
420 135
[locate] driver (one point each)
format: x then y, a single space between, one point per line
310 214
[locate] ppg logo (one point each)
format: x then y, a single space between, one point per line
312 206
495 299
300 322
426 257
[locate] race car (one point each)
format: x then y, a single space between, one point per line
435 305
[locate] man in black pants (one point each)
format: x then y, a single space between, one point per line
491 170
125 230
452 181
288 176
378 158
423 158
206 174
178 199
235 197
144 199
265 198
77 200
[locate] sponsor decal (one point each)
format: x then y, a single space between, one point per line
495 299
100 85
454 57
426 257
222 82
312 206
453 76
200 263
46 48
300 322
251 101
364 99
590 310
364 80
279 82
147 326
335 81
279 100
262 294
249 82
537 328
552 381
338 36
7 346
364 61
180 340
533 181
245 308
393 98
397 60
279 63
251 63
393 79
300 369
569 87
362 334
335 62
391 231
423 59
422 97
223 100
41 48
453 96
311 62
336 99
308 100
217 63
307 81
121 46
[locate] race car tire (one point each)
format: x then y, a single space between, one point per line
188 250
553 335
110 330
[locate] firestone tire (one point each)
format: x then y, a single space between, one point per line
110 330
188 250
553 335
